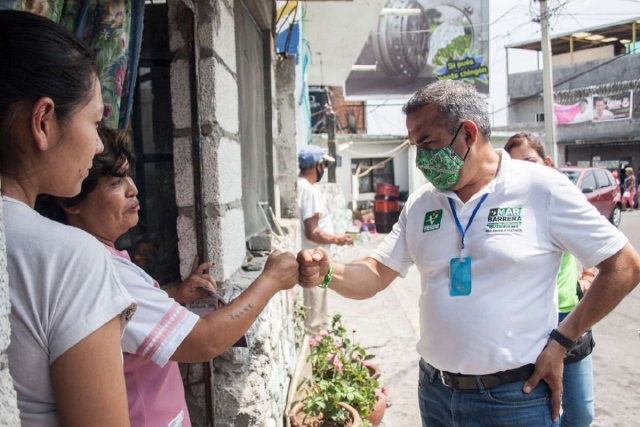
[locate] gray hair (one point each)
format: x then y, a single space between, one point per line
456 101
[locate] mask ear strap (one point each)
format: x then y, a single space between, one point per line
455 135
466 154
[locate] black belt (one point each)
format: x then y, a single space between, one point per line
468 382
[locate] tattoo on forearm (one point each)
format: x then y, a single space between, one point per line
241 312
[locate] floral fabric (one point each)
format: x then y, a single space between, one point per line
113 29
440 166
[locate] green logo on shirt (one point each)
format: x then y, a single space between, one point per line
432 221
504 219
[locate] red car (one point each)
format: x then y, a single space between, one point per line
601 190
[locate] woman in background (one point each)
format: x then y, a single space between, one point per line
577 397
629 188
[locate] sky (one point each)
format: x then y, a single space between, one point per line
511 22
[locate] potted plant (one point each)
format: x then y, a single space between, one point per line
341 377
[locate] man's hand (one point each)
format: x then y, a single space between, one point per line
198 285
313 267
282 268
344 239
549 368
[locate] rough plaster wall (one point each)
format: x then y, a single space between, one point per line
286 171
341 217
8 406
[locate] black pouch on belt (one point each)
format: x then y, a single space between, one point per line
583 348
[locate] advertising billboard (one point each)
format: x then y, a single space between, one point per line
595 108
416 42
613 107
576 112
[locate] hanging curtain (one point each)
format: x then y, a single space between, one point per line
113 29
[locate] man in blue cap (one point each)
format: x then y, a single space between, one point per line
317 229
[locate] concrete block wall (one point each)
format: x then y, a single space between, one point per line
522 85
249 385
9 415
286 172
221 164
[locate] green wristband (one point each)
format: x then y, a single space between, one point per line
328 277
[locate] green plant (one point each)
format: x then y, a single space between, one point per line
340 374
459 46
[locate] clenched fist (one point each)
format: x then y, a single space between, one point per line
313 267
282 268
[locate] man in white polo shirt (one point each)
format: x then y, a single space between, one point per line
487 235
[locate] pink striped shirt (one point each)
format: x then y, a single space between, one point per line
154 384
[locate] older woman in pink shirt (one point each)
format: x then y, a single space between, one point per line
163 332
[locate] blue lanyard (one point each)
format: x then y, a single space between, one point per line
473 215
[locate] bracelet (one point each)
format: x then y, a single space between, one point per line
328 277
561 339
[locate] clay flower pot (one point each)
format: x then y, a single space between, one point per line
356 420
375 418
374 370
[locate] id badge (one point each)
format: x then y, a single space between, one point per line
460 277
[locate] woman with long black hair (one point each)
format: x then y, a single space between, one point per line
67 305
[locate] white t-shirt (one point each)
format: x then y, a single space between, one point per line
62 287
311 203
606 115
531 216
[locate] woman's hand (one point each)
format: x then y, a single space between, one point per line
198 285
282 268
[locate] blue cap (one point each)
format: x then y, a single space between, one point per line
310 155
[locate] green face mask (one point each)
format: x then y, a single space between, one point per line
442 165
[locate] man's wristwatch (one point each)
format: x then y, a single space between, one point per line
561 339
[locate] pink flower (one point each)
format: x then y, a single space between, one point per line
337 343
313 342
329 357
324 333
338 364
108 111
381 393
366 363
119 78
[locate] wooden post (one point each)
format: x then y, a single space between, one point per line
571 47
331 131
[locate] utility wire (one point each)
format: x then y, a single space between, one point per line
567 80
290 33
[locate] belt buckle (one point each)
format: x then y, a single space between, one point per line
444 382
